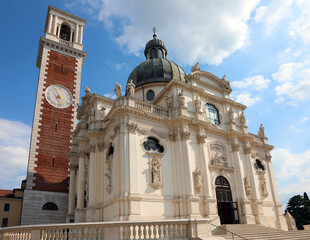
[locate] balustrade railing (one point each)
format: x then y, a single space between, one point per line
151 108
64 42
126 230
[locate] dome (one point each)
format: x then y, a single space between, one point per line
156 68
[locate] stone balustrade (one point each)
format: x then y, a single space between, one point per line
162 229
151 108
64 42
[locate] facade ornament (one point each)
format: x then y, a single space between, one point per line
173 135
116 129
159 134
118 90
132 127
268 156
130 88
108 174
197 102
102 112
181 99
230 115
261 131
263 185
185 135
169 100
155 173
86 182
195 67
87 90
247 185
100 146
242 119
91 114
247 147
218 155
142 131
235 144
201 137
92 147
197 180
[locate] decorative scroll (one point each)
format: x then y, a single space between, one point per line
218 155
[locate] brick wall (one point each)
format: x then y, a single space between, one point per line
51 172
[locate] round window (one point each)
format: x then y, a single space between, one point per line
150 95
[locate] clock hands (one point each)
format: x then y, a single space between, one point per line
58 96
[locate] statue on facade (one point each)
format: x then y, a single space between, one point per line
130 88
198 179
263 186
261 131
197 102
181 99
231 115
87 90
155 172
118 90
108 176
247 186
195 67
102 112
169 100
242 119
91 114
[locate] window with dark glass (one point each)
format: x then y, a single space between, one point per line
212 114
222 182
150 95
258 165
5 222
153 143
153 53
50 206
6 207
64 32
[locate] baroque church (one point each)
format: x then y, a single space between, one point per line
172 145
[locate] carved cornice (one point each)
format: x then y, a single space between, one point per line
201 138
185 135
101 146
132 127
173 135
235 145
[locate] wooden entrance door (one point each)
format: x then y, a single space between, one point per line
227 209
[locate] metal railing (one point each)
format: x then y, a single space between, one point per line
232 233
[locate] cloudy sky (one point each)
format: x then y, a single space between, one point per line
261 46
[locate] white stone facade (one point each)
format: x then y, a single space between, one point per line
114 177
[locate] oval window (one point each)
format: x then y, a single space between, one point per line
150 95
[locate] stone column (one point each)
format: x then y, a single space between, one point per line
55 25
81 181
72 187
76 35
71 33
81 34
59 28
49 24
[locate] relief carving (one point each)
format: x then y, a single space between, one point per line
242 119
102 112
235 145
262 183
169 100
132 127
247 186
155 174
185 135
108 175
181 99
197 102
231 115
218 155
247 147
173 135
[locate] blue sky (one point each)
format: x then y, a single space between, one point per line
261 46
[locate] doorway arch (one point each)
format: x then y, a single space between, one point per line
227 209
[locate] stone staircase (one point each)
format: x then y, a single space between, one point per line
258 232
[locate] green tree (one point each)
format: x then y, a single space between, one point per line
299 207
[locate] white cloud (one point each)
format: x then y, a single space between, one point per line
272 14
304 119
292 172
246 99
294 81
204 31
14 147
110 95
120 66
257 82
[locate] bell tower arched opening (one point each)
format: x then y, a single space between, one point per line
227 209
65 32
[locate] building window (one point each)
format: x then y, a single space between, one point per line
212 114
7 207
50 206
5 222
258 165
153 143
150 95
111 151
65 32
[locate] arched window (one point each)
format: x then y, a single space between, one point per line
258 165
153 53
50 206
65 32
212 114
153 143
222 182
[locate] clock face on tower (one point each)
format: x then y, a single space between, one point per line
58 96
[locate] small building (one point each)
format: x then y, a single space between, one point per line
10 207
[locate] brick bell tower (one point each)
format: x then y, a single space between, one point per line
60 59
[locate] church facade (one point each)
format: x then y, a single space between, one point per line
174 145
